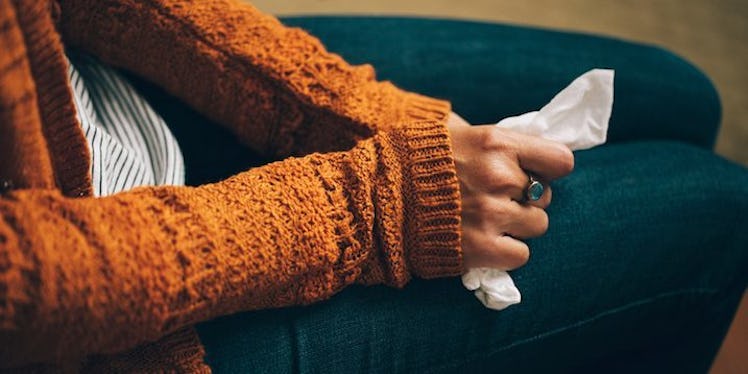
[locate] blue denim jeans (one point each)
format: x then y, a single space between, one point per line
643 265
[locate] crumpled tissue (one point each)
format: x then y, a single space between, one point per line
577 116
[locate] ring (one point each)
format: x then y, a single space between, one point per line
534 190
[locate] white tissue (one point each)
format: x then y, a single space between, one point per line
577 116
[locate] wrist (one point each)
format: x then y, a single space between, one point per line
431 200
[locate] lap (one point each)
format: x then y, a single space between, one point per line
662 238
643 236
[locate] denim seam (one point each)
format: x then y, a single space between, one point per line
585 321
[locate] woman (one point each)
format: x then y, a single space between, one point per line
390 186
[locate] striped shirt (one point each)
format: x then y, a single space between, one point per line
130 143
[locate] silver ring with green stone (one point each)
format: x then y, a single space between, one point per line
534 190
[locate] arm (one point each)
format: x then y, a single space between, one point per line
276 87
100 275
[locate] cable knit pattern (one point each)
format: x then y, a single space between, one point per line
281 91
115 283
292 232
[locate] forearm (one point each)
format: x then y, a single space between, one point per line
107 274
276 87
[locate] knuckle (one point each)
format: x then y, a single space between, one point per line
501 178
488 209
486 176
492 138
504 209
518 182
483 205
504 178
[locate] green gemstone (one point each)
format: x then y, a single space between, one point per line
535 191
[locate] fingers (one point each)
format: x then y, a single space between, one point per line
548 159
505 178
528 222
494 251
510 180
493 166
498 216
505 251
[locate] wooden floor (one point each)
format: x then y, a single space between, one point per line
712 34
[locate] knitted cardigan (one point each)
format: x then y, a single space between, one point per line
366 191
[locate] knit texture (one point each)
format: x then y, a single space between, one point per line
280 91
55 100
24 161
114 283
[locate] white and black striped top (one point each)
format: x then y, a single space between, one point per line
130 143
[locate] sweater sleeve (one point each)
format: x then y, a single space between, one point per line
276 87
100 275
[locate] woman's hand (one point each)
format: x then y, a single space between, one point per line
493 166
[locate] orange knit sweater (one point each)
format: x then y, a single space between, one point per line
370 195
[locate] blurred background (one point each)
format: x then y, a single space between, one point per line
712 34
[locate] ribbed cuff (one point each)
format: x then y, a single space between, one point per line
431 199
180 351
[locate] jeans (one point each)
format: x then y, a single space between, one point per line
642 267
